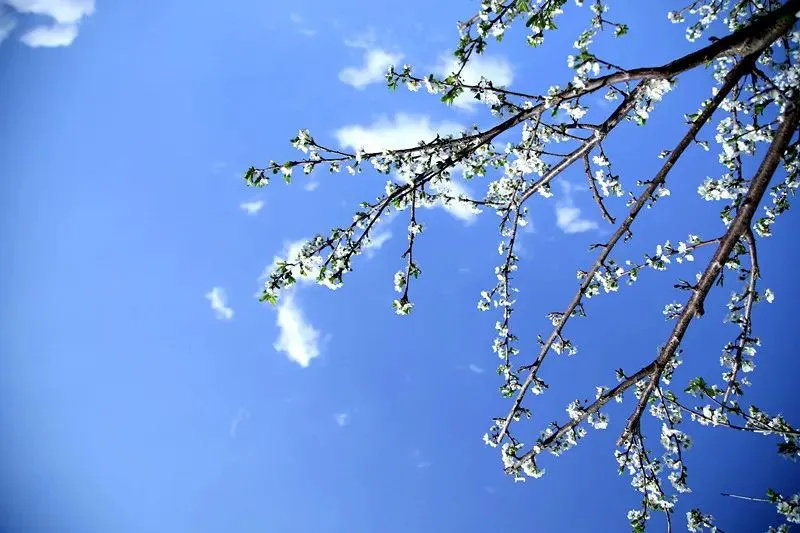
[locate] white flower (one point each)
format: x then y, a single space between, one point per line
530 469
574 410
675 17
769 296
402 307
576 112
399 281
672 310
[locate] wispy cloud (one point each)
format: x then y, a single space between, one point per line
7 24
217 298
568 217
302 28
241 416
66 15
385 133
495 69
217 167
419 461
342 419
251 208
297 338
311 186
376 62
475 368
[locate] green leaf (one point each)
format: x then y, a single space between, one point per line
268 297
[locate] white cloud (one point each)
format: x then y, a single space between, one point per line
311 186
376 241
403 131
62 11
217 298
296 18
342 419
455 188
379 234
66 15
475 368
297 338
50 36
251 208
289 253
568 217
495 69
375 64
461 210
241 416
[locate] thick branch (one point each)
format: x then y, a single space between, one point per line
728 84
738 228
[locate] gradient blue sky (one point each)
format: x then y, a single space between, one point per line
130 406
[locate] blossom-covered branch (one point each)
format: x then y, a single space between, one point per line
753 106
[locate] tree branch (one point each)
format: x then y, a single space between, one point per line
737 229
730 81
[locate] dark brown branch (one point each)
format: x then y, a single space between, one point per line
730 81
747 325
736 231
593 186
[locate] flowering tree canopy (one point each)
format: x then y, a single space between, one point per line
751 102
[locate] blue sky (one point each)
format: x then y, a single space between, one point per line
146 390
